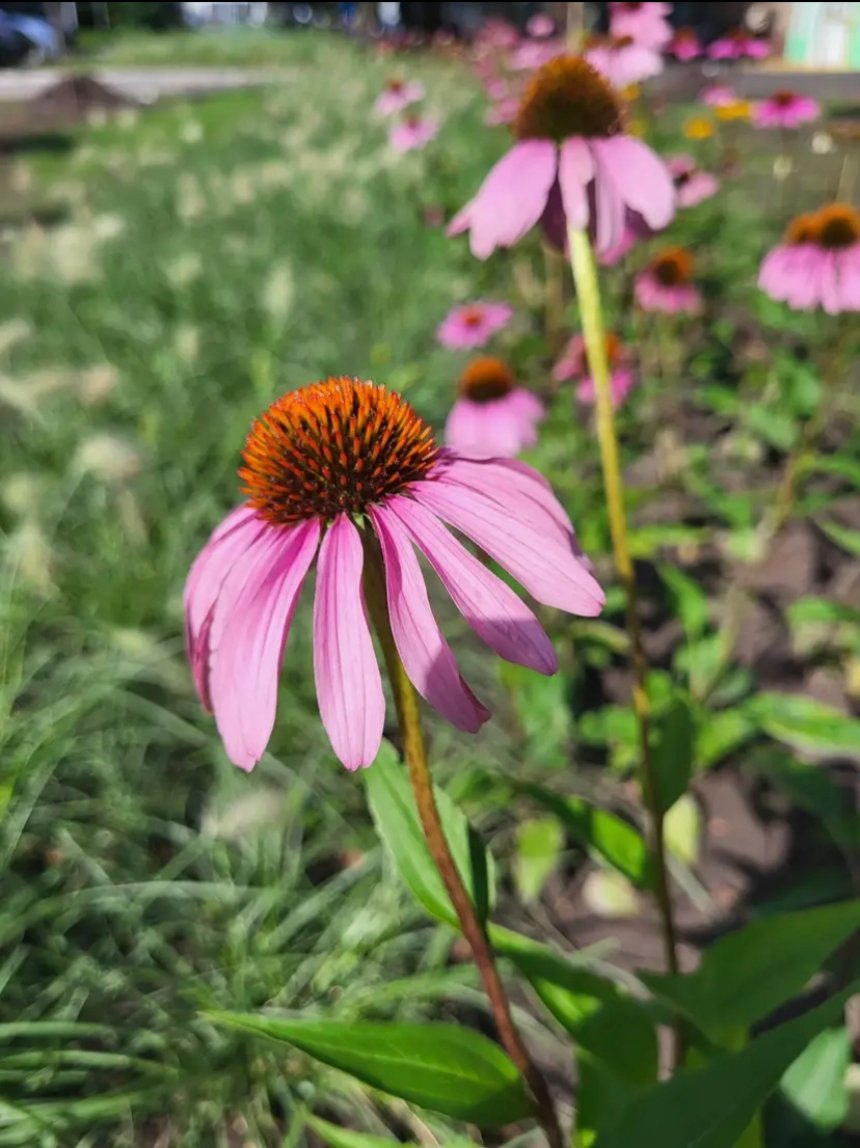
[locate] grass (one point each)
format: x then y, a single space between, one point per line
212 255
144 880
207 47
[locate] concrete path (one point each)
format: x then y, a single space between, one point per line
144 84
758 81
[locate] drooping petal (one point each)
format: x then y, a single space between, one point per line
511 199
848 262
463 425
349 686
641 177
514 485
424 652
831 299
496 614
609 211
500 428
575 172
201 585
251 622
228 542
550 572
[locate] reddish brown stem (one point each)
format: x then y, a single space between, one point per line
415 753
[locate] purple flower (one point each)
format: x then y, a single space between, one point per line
818 262
666 284
572 164
473 324
692 185
334 471
413 133
396 96
786 109
574 365
493 416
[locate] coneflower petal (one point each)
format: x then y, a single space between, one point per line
549 571
497 615
252 619
349 686
425 654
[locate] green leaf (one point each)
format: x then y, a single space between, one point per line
682 829
602 1097
645 541
834 464
608 894
614 727
443 1067
539 845
848 539
392 806
776 427
339 1137
542 710
815 790
672 751
724 400
578 999
815 1083
617 842
807 725
820 611
747 974
711 1107
689 601
721 732
703 661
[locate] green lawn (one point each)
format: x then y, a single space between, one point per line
213 47
211 256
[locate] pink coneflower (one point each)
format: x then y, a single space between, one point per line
647 24
413 133
533 54
666 284
344 469
692 185
622 61
574 365
496 36
684 45
486 68
493 417
573 161
473 324
629 239
502 112
718 96
396 96
785 109
818 262
540 26
738 45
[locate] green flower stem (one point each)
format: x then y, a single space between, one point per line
553 300
831 371
588 293
848 175
575 26
415 753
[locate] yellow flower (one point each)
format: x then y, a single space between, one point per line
737 110
699 128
